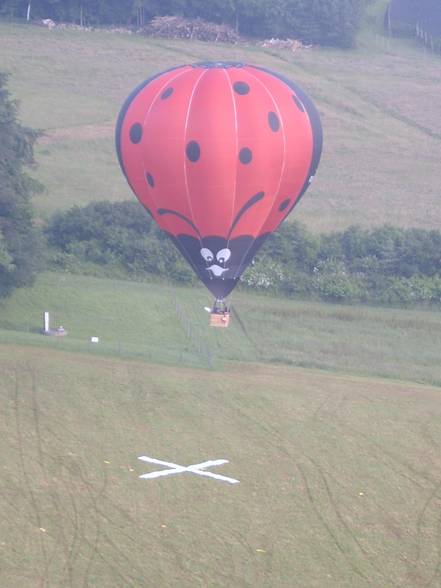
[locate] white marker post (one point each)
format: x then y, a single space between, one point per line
46 322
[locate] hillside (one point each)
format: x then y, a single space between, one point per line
379 104
339 477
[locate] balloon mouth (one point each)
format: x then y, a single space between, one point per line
217 270
218 64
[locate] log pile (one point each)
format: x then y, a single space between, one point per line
177 27
170 27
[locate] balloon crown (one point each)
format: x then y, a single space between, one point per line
218 64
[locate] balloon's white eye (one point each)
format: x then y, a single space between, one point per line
223 255
207 254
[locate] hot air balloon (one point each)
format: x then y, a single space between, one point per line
219 154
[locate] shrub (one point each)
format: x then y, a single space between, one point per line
266 275
333 282
387 264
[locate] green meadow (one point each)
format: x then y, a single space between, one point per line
161 323
379 105
329 415
339 476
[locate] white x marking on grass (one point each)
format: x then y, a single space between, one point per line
197 468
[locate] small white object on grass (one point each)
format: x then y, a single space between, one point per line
94 339
46 322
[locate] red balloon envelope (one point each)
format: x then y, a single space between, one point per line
219 154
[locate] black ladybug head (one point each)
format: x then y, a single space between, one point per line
218 261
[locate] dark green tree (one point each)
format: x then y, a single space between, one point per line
21 245
325 22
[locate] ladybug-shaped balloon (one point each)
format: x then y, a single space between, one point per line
219 154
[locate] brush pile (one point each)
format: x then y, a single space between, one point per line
291 44
177 27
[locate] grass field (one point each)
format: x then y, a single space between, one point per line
156 322
379 104
339 476
329 415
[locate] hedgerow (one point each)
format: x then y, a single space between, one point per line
386 265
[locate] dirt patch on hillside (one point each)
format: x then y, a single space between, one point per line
80 133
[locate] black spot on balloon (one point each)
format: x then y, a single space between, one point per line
193 151
241 88
166 93
136 133
245 155
273 121
284 204
298 103
150 180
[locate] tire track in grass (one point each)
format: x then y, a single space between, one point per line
223 413
78 533
339 402
102 495
75 475
436 488
326 474
425 432
41 454
321 407
97 537
342 401
127 582
326 525
237 560
99 513
424 428
279 442
406 120
95 499
420 519
396 460
93 545
437 571
380 451
367 99
27 482
71 551
347 531
335 507
166 546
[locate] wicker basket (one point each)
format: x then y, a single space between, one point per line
219 319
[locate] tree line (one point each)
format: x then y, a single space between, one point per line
328 22
420 19
21 243
386 265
